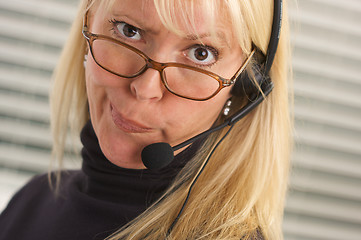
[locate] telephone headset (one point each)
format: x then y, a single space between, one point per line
158 155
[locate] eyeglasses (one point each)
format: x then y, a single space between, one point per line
180 79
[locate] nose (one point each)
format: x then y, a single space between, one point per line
148 86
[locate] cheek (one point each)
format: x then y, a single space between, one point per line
96 75
193 118
94 85
97 81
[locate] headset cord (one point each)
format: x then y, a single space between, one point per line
193 183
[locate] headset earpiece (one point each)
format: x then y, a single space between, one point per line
246 83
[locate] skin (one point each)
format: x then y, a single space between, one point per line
129 114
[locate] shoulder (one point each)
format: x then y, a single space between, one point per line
36 184
37 190
34 203
22 205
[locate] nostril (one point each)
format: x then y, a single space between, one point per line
148 85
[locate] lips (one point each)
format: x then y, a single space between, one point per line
127 125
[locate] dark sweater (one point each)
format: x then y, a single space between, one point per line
93 202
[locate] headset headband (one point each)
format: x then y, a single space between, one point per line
275 35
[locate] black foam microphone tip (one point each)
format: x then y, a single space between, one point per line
157 155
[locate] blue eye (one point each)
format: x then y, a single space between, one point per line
202 55
128 31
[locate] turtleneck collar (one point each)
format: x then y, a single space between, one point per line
133 187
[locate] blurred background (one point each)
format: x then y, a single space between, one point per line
324 202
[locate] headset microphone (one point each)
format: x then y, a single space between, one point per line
159 155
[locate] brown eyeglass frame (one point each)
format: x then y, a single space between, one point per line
150 63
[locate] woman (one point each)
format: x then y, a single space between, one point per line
111 78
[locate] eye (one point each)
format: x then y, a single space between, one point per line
127 31
202 55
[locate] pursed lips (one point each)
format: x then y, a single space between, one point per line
127 125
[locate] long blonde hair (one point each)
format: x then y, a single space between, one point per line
241 192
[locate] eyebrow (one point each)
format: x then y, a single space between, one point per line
220 41
140 23
194 37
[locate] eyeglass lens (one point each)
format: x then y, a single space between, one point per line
127 63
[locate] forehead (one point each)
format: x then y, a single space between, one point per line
183 17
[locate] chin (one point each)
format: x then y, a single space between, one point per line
120 151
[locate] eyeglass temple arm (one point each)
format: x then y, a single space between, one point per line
244 65
85 22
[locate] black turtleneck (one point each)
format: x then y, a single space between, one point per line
93 202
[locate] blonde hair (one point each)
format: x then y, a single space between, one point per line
241 192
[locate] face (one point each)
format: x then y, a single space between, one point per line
130 113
